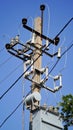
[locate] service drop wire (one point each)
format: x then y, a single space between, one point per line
14 110
18 78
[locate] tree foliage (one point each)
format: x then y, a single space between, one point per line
66 106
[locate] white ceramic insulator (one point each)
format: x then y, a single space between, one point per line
59 53
47 73
56 88
56 77
17 38
28 62
60 80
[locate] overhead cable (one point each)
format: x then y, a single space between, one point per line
13 111
29 68
61 57
4 62
7 76
64 27
18 79
10 114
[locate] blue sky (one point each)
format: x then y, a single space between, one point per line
57 14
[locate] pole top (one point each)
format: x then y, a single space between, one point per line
42 7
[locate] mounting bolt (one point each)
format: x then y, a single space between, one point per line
42 7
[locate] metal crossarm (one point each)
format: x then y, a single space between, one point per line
55 41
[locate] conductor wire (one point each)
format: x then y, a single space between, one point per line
13 110
18 78
64 27
4 62
7 76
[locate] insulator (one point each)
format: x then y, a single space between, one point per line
60 80
42 81
19 52
27 73
56 88
27 55
47 43
56 77
17 38
59 53
42 70
12 41
28 62
47 73
32 67
33 38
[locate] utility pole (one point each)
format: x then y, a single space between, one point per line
37 53
37 65
31 53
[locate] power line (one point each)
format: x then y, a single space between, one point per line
18 79
13 111
4 62
29 68
64 27
7 76
10 114
30 91
60 58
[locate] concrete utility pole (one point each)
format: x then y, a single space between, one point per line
37 65
37 53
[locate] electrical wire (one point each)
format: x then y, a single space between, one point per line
10 114
30 91
13 110
60 58
64 27
7 76
18 78
66 53
27 70
31 65
4 62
